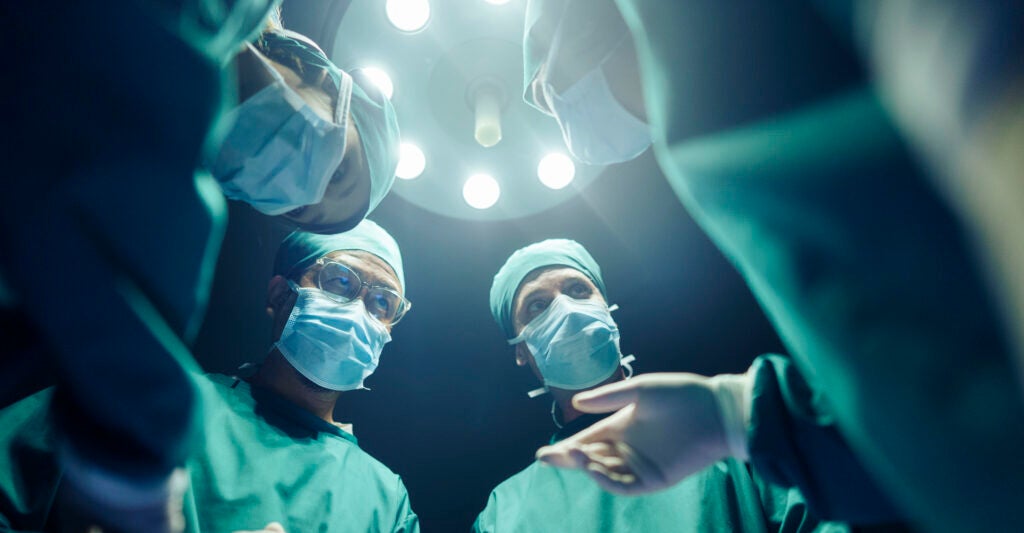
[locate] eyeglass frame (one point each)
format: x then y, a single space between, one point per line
364 286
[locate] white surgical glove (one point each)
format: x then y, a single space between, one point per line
668 427
273 527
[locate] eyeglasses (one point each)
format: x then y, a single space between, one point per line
343 285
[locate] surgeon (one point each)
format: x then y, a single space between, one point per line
765 123
113 216
271 449
551 303
308 141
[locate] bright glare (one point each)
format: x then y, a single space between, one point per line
411 162
497 2
556 170
481 191
408 15
381 80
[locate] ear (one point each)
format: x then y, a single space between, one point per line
522 354
278 295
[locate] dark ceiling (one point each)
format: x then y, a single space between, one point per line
448 410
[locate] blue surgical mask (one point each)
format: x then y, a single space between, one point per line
279 154
575 343
597 129
334 345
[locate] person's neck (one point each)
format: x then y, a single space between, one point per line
563 398
281 377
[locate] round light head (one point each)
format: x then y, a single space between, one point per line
481 191
380 79
411 162
556 171
408 15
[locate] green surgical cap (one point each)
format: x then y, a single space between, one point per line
301 249
377 123
552 252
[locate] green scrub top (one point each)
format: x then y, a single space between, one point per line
261 459
861 268
723 497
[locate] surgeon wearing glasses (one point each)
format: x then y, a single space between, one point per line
271 449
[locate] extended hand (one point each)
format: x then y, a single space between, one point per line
667 427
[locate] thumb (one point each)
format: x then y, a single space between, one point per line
608 398
274 527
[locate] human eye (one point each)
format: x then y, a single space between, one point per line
536 306
580 290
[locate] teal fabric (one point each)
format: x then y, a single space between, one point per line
862 269
29 473
372 112
551 252
261 459
264 459
724 497
301 249
794 442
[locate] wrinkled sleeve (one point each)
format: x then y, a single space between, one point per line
794 443
29 473
486 521
406 520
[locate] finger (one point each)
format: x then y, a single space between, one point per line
275 527
559 455
616 483
607 430
608 398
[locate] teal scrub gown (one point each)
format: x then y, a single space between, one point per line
797 173
109 232
723 497
260 459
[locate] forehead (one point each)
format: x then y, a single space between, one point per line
371 269
549 278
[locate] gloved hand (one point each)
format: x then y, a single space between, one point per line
668 427
273 527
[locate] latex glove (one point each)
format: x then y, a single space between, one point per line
668 427
272 527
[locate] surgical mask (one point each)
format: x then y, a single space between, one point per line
575 343
279 154
597 129
336 346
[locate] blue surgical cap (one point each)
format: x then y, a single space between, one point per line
552 252
377 124
301 249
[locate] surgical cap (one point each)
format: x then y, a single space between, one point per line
552 252
372 112
301 249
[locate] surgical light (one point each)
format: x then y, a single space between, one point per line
497 2
381 80
411 162
408 15
481 191
556 170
